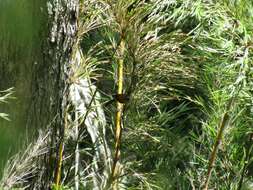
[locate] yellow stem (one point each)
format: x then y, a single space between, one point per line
119 112
59 166
60 156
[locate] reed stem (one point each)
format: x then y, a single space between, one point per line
60 155
213 156
119 111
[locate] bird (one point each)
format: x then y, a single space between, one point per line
122 98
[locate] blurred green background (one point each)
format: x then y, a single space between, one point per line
21 34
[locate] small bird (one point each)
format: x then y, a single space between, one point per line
122 98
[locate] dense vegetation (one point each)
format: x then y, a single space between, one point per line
184 100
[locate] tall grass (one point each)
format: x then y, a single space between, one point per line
187 69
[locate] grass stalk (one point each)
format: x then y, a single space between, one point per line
60 155
213 156
77 153
119 110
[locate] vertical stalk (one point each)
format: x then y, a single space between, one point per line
77 154
60 155
59 166
119 111
212 159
